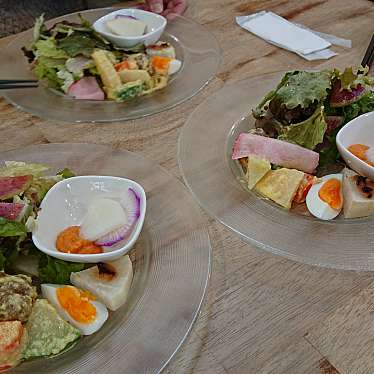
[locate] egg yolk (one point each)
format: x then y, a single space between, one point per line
76 303
359 150
331 193
69 241
160 63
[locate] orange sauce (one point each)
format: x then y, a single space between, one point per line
359 150
331 193
69 241
76 303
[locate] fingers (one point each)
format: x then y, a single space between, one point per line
142 6
174 8
179 6
156 6
168 8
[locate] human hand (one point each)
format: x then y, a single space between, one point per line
167 8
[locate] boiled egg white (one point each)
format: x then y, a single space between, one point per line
76 307
325 199
174 66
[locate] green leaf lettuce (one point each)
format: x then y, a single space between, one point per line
304 88
308 133
53 270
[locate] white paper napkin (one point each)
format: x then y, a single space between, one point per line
293 37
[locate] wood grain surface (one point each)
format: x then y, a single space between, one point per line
263 314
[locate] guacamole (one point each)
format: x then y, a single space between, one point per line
48 333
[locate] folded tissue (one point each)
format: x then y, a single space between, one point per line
309 44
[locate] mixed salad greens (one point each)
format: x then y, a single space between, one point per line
18 209
309 108
76 60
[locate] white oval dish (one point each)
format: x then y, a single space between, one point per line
358 131
65 205
155 27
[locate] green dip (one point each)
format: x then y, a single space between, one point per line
48 333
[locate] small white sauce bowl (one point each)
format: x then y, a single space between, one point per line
358 131
155 27
66 204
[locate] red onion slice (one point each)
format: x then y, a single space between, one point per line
131 204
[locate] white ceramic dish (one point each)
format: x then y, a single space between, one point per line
65 205
358 131
155 27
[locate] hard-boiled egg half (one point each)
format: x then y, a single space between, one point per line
76 306
165 65
325 199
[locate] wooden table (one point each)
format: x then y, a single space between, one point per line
263 314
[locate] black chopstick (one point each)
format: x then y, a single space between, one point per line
13 86
8 84
369 54
10 81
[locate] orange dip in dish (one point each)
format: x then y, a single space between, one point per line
359 150
69 241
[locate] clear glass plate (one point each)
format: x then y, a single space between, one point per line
171 268
195 46
205 146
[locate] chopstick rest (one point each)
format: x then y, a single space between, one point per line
276 30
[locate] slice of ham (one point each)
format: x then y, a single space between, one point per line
86 88
276 151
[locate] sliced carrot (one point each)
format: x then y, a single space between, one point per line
122 65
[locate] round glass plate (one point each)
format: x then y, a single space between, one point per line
215 180
171 268
195 46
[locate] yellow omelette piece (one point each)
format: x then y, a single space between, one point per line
280 185
256 170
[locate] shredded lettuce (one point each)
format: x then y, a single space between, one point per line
48 48
11 236
16 168
40 30
39 188
67 78
308 133
11 228
66 173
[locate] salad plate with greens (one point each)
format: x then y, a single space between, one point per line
269 168
84 76
79 302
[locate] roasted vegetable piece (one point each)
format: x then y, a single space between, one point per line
17 297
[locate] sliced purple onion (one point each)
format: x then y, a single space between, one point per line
125 16
131 204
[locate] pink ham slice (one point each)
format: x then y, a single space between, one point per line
275 151
86 88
